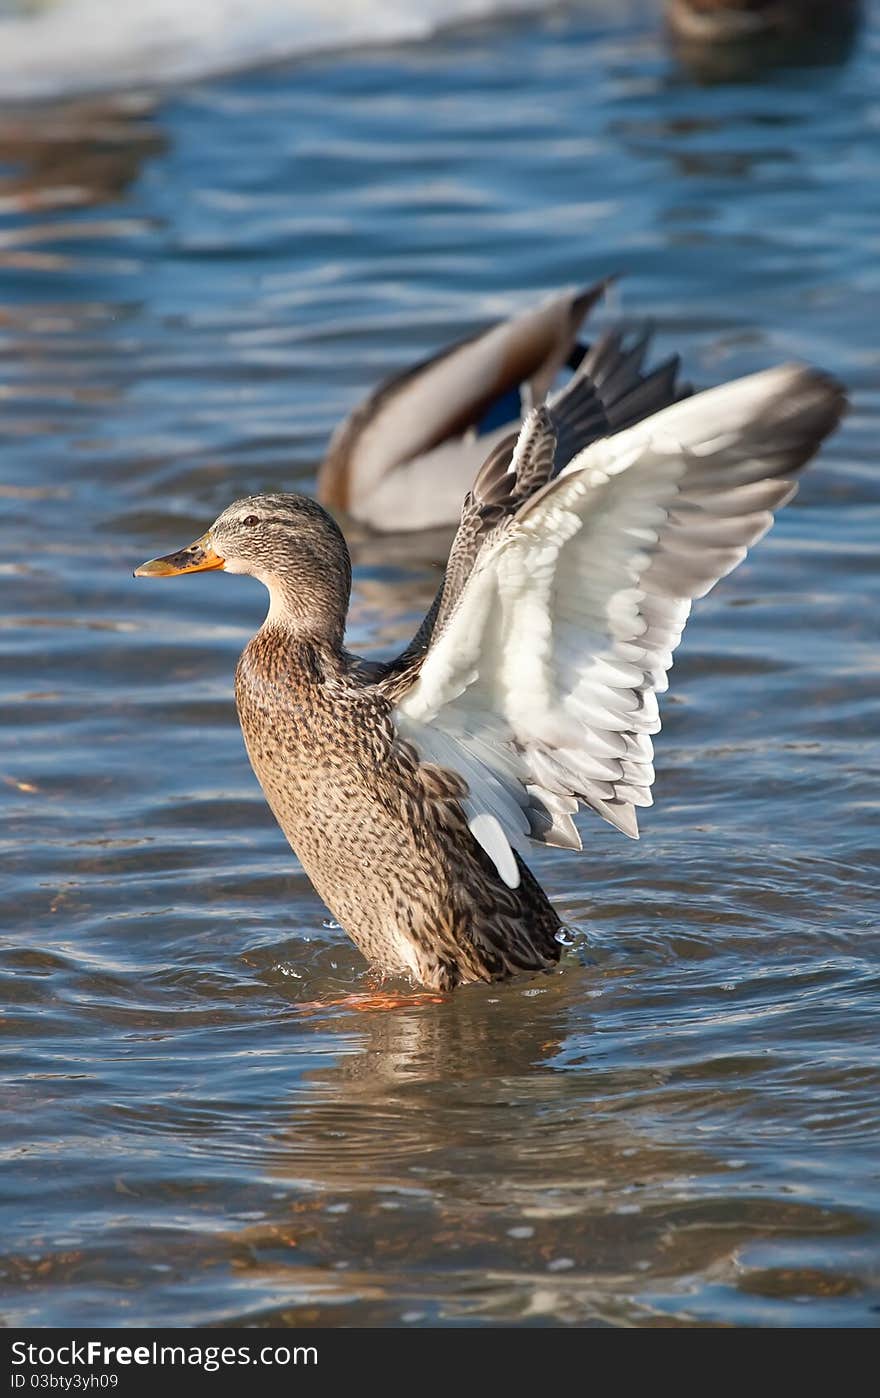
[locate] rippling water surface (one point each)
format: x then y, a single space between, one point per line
679 1128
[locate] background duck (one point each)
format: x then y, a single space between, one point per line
404 457
412 790
729 40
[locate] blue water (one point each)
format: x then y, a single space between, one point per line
679 1128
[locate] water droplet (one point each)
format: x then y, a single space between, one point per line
521 1232
560 1264
564 937
331 925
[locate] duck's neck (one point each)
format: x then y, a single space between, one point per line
309 607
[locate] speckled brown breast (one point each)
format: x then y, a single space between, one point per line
382 836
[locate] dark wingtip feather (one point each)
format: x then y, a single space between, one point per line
807 410
653 391
609 391
589 297
489 488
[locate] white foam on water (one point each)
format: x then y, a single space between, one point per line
51 48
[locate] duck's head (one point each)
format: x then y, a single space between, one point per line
290 544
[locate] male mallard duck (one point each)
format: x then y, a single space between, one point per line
410 790
404 458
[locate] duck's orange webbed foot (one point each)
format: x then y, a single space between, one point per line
367 1000
395 999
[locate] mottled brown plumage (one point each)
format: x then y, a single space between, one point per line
407 789
381 835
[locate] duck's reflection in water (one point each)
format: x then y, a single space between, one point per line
62 166
490 1156
75 154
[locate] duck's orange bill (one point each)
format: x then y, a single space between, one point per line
197 558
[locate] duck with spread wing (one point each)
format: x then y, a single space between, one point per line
413 790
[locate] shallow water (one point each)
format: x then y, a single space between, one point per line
679 1128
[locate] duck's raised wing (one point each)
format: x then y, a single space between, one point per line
539 684
608 392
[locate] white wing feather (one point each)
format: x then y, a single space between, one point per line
541 688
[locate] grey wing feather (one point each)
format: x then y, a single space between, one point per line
607 393
547 675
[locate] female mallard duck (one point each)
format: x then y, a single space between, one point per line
410 790
404 458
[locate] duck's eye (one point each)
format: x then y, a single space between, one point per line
250 521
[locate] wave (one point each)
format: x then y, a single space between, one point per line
55 48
